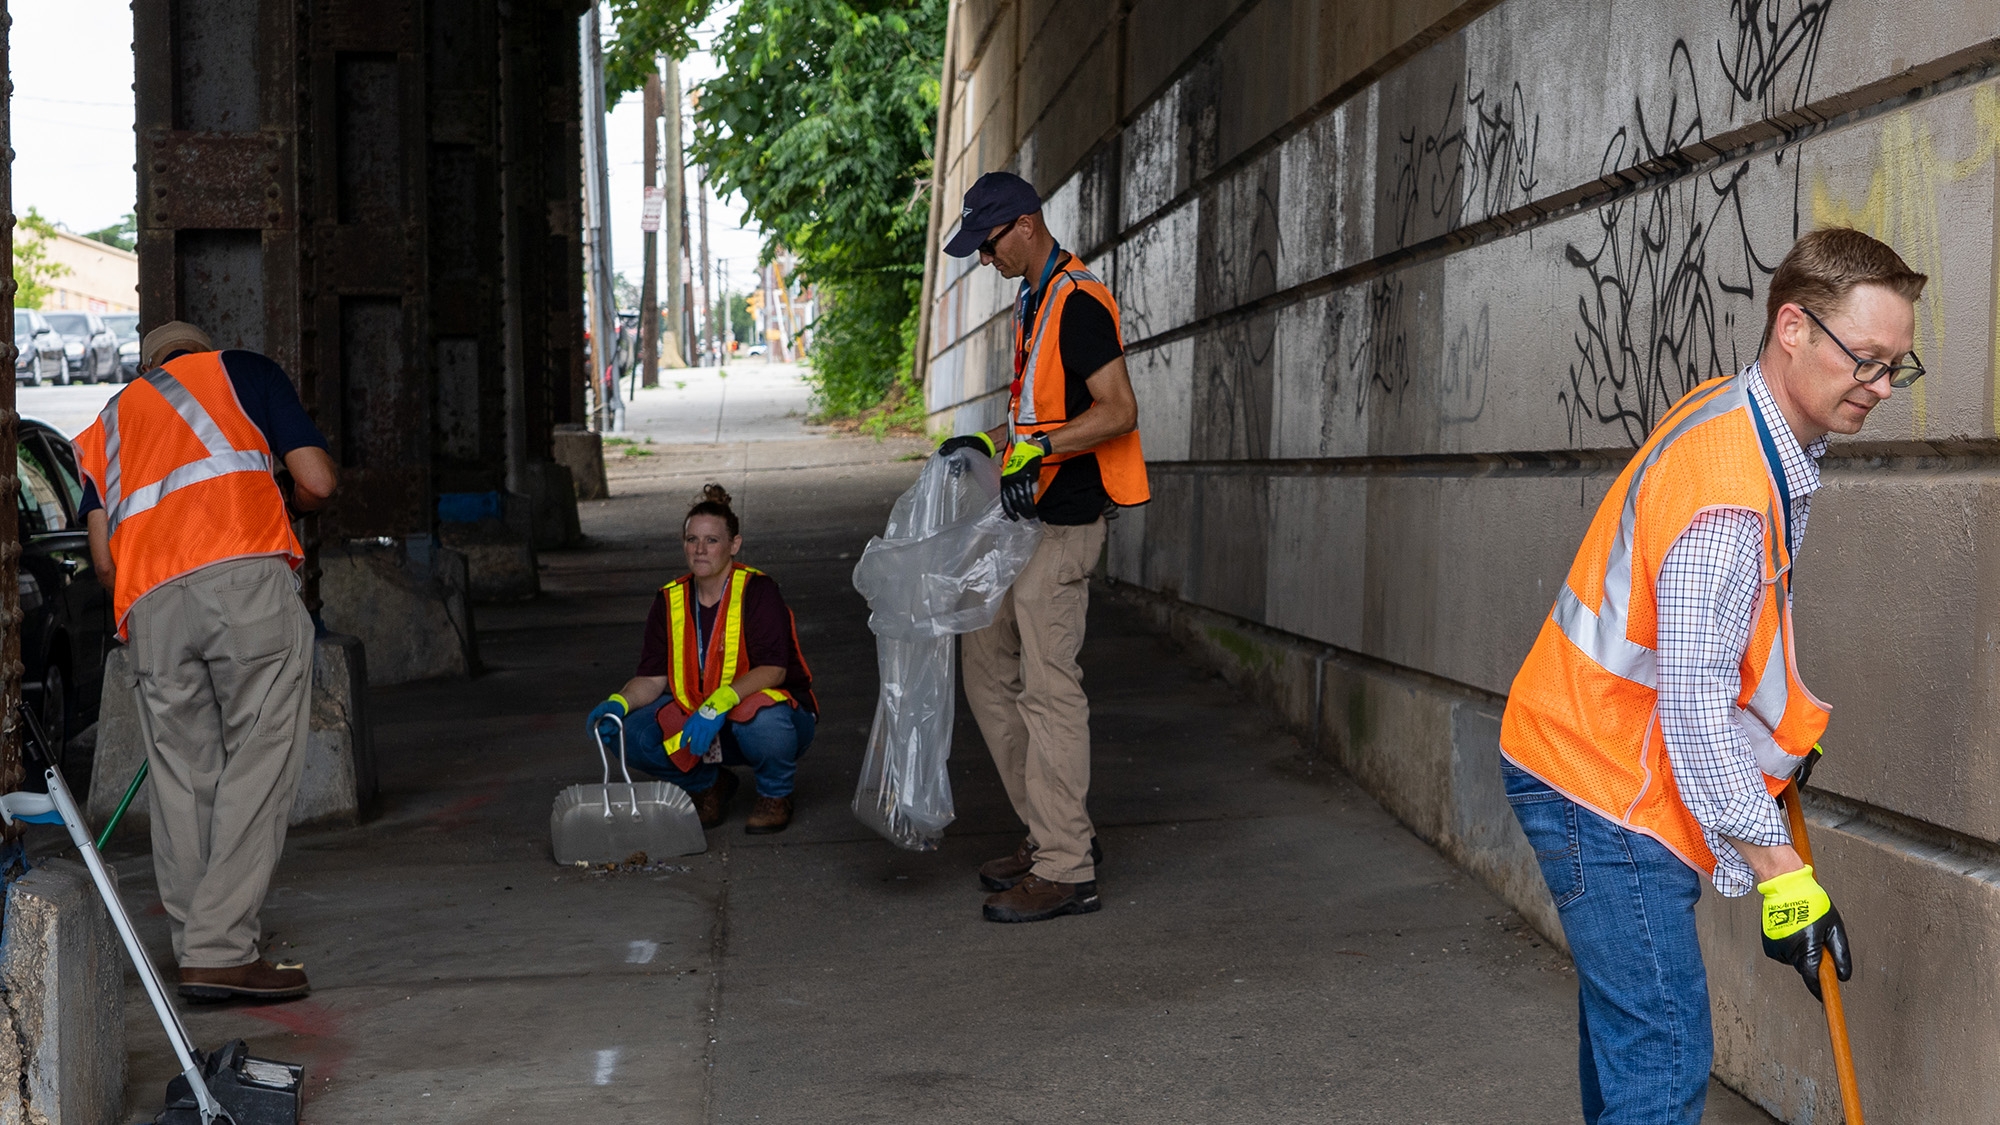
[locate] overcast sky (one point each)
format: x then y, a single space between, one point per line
73 141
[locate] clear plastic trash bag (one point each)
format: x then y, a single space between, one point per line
940 568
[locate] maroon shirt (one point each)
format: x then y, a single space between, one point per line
768 634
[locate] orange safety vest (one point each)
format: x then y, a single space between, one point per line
691 681
186 479
1583 714
1039 401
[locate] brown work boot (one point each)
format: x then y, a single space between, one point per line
712 803
1035 899
259 980
1000 874
768 815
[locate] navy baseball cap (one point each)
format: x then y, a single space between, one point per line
995 198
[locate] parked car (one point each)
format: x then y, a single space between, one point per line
91 348
38 350
66 614
125 326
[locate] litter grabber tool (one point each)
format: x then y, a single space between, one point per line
611 821
223 1086
1829 979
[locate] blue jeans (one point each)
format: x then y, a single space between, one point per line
770 743
1627 906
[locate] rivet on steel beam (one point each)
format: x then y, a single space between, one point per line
159 165
159 216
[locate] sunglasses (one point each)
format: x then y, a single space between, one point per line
1868 370
986 247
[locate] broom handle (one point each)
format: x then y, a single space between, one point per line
1829 980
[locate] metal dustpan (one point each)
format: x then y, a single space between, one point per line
610 822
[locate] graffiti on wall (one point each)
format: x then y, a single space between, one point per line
1673 269
1478 161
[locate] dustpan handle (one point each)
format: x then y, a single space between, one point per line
631 790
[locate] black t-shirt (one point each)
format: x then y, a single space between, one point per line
1087 339
268 398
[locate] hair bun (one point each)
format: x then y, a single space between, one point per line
712 493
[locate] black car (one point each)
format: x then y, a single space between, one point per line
66 615
125 326
92 349
38 350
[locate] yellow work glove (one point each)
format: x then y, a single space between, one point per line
722 702
1021 477
974 441
1801 925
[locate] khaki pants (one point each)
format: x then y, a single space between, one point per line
1026 691
224 664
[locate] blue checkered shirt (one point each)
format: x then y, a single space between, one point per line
1708 590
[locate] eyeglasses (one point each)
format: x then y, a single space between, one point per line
986 247
1868 370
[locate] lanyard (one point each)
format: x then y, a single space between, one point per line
1777 471
1023 311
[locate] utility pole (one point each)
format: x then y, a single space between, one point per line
649 293
707 290
675 219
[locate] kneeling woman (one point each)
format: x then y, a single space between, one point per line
720 681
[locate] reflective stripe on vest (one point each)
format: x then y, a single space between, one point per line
185 477
223 458
693 680
1121 460
1602 635
1583 713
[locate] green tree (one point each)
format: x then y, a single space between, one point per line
124 234
732 313
822 123
34 270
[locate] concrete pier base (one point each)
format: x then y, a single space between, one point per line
339 777
499 561
409 602
62 1046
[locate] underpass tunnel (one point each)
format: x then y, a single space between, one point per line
1401 287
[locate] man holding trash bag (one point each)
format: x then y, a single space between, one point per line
1660 710
189 526
1071 449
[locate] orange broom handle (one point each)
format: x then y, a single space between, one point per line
1829 980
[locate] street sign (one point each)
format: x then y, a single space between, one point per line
656 202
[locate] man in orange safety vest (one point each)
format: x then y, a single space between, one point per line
188 523
1660 710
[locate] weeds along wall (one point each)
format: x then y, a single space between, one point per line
1403 284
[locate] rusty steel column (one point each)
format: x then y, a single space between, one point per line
467 346
542 107
366 282
10 481
220 160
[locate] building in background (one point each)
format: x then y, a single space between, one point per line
101 278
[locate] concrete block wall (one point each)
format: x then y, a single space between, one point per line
62 1029
1403 284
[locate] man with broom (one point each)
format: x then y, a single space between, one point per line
1660 711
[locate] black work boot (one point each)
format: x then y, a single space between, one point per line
1035 899
1000 874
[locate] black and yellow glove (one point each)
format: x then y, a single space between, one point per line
1021 476
976 441
1801 926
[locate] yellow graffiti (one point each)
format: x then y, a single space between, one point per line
1901 208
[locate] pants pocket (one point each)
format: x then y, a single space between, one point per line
1550 822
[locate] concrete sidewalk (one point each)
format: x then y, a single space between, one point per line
1274 947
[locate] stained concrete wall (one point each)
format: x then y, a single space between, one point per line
1402 285
62 1029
